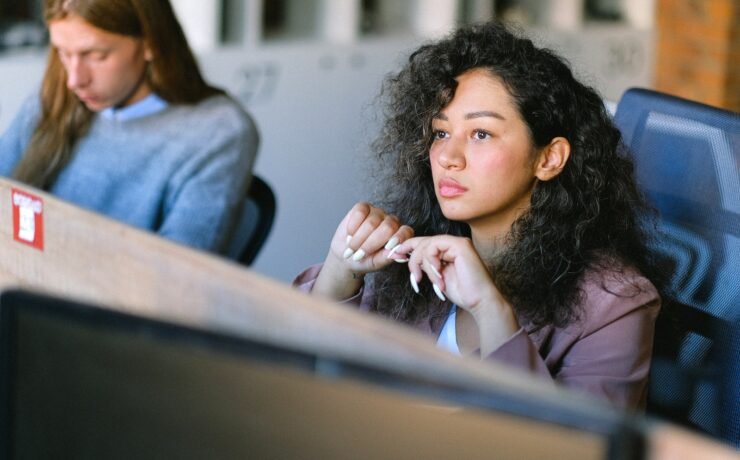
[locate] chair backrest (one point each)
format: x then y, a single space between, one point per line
687 160
255 222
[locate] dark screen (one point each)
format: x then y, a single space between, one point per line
81 382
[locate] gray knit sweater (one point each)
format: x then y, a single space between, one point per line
181 172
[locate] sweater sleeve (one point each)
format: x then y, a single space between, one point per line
307 278
206 195
14 141
608 355
520 351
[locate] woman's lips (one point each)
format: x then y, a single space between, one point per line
87 98
449 188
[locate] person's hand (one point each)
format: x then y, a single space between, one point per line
457 273
453 266
365 236
361 244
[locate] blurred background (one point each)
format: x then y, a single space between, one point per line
310 71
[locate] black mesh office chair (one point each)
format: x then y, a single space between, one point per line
255 223
687 159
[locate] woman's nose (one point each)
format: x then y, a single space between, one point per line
78 76
452 154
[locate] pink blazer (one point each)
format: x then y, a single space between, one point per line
606 353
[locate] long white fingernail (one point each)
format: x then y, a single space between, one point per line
392 243
414 284
358 255
434 269
401 261
348 253
393 251
349 238
438 291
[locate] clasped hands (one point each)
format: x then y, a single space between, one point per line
368 240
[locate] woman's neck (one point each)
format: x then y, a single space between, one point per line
491 235
488 245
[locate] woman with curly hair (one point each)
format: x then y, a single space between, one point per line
511 226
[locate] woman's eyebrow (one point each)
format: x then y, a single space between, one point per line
484 113
471 115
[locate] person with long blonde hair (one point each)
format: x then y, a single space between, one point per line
125 124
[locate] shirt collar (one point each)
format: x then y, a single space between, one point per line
150 105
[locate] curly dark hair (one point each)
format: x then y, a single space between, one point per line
590 215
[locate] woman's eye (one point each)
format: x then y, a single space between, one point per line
439 134
481 135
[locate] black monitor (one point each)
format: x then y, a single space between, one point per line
80 381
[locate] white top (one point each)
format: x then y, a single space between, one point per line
447 339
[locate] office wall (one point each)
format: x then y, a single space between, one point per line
314 107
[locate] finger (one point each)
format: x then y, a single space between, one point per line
352 221
438 282
416 273
436 250
431 265
403 233
414 282
374 233
397 255
419 250
427 257
356 216
438 292
396 247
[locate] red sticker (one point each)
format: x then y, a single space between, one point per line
28 218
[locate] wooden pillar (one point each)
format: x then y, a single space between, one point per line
698 50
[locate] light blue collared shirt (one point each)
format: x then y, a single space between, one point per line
147 106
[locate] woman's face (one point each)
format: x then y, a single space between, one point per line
103 69
482 157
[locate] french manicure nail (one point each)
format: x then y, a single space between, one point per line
393 251
349 238
438 291
358 255
414 284
401 261
392 243
434 269
348 253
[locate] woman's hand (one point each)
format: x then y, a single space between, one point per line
457 272
361 244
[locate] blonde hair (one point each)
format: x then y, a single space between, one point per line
173 74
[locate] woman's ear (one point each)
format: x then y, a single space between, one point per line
148 55
552 159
